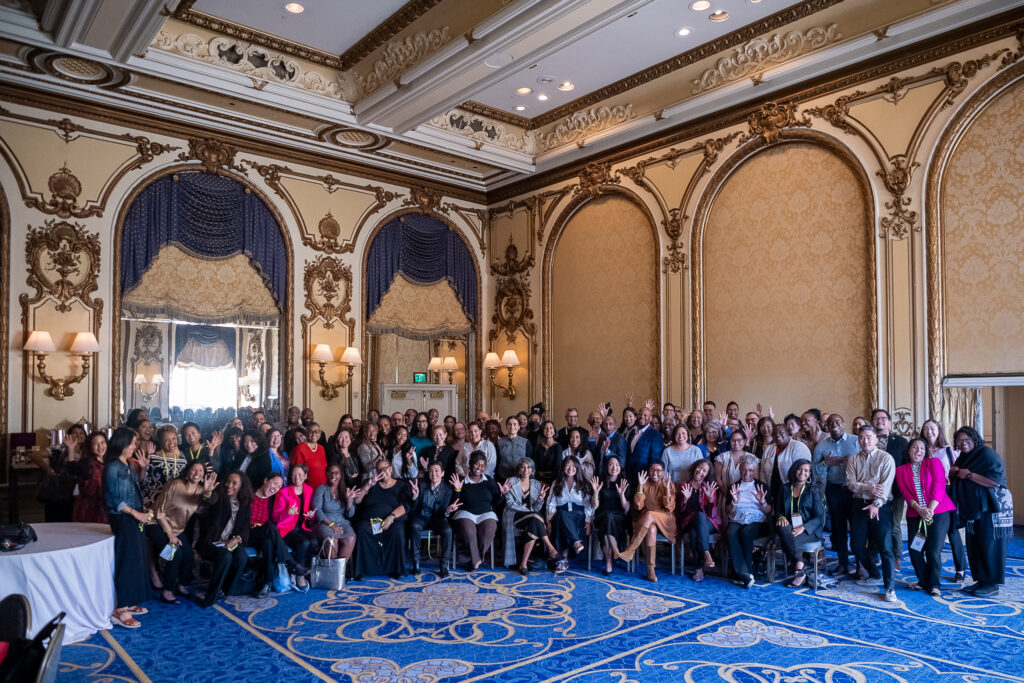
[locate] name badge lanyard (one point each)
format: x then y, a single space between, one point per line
794 518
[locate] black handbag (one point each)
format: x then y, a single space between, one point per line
16 536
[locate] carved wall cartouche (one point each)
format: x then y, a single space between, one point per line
512 311
54 254
328 289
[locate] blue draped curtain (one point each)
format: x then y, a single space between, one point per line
425 250
205 335
208 215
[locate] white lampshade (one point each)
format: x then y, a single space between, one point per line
435 364
491 361
85 342
510 359
449 363
351 356
140 379
40 341
157 379
322 354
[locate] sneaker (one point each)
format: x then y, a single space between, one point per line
890 596
561 566
749 581
935 592
959 577
870 583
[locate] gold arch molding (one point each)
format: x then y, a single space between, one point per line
587 191
5 293
287 344
747 151
477 354
937 165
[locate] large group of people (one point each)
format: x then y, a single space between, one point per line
186 506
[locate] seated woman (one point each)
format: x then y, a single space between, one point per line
799 515
612 508
264 536
570 508
292 516
476 498
332 507
523 505
655 501
922 481
579 451
698 512
226 528
174 507
380 541
680 455
747 507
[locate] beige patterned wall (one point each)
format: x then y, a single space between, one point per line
982 212
604 308
787 285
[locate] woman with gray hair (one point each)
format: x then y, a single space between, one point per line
748 504
523 505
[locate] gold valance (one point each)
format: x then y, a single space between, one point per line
183 287
418 311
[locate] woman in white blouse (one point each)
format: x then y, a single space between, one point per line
679 455
570 509
477 442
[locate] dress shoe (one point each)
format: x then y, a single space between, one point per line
986 590
443 573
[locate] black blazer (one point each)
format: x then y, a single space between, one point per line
811 508
897 446
216 516
444 499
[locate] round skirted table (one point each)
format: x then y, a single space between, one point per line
69 569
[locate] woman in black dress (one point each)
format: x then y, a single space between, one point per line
477 497
380 542
547 453
612 508
439 451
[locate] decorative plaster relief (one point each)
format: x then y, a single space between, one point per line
399 56
576 127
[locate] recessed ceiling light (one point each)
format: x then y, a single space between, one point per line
524 90
521 107
542 97
700 5
544 80
684 31
294 7
499 60
720 15
566 86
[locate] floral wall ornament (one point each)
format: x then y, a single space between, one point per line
148 348
64 263
676 259
65 187
213 154
254 360
901 221
512 310
594 177
576 127
328 289
772 119
426 199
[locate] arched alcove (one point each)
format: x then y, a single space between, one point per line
603 306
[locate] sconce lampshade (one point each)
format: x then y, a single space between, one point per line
435 364
157 379
322 354
351 356
510 359
491 361
449 363
40 341
85 342
140 379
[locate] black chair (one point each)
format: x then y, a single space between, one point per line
15 617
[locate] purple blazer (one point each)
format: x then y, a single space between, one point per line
933 483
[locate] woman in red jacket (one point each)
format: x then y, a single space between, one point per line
292 515
922 481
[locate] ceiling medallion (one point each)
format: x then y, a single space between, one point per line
75 69
353 138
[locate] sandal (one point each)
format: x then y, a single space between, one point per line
798 578
698 575
124 619
136 610
935 592
578 547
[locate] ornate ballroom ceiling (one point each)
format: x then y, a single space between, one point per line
479 95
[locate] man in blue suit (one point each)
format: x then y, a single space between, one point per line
644 447
610 444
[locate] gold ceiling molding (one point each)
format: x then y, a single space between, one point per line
328 288
943 152
467 215
497 115
328 233
215 155
255 61
56 269
387 30
748 150
896 170
400 56
184 12
353 138
546 203
754 57
709 49
483 131
773 118
512 310
675 261
577 126
148 347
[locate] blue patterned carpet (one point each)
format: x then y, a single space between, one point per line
494 625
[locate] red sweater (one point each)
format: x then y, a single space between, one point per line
315 460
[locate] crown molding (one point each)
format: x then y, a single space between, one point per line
388 29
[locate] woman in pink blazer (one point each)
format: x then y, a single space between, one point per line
291 515
922 481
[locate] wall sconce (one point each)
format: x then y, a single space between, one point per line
449 365
508 360
84 345
434 368
140 381
322 356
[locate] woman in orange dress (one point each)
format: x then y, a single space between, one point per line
655 502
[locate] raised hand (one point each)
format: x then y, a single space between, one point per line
759 495
603 409
425 464
456 481
358 495
642 478
507 486
414 487
210 482
735 492
759 411
710 489
496 416
686 490
771 412
596 483
722 418
649 404
453 507
216 441
629 399
621 487
143 457
544 491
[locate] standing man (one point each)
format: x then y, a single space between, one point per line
869 476
896 446
829 466
572 423
644 448
709 411
610 444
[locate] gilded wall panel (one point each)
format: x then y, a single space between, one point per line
982 213
604 315
787 285
893 117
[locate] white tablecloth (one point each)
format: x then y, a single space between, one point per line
69 569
